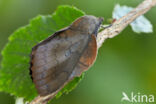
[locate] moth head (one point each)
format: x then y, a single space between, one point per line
87 24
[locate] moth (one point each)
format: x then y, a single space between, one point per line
64 55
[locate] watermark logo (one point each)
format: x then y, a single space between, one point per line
137 98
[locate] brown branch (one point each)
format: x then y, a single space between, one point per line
122 23
110 32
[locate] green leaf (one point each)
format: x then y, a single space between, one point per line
14 73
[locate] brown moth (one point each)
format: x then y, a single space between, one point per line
65 55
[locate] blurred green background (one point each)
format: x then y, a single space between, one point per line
126 63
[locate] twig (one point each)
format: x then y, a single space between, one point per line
122 23
110 32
